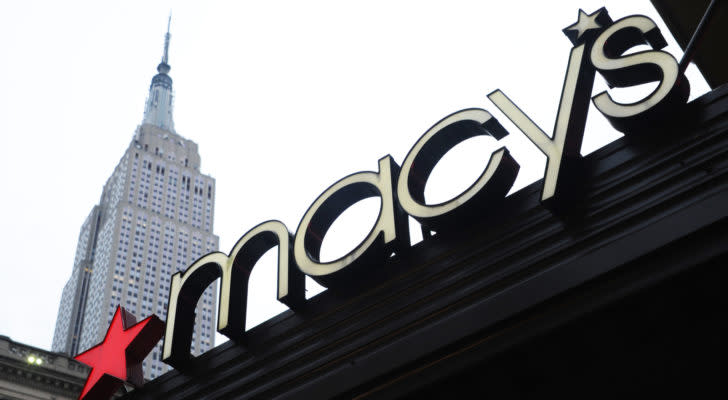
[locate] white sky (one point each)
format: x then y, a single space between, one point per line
283 97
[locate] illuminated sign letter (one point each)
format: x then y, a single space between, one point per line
388 234
492 185
184 292
234 271
635 69
565 145
246 252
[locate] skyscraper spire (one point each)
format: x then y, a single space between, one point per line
158 110
166 40
165 56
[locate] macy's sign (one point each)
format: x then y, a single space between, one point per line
599 46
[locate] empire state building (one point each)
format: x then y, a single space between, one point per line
154 218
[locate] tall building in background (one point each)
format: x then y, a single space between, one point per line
155 217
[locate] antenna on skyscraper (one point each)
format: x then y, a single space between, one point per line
165 57
164 67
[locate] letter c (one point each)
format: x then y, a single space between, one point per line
492 185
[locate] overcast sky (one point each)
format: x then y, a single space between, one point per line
283 98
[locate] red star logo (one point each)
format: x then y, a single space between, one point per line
119 357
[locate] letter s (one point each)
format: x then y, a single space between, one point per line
634 69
